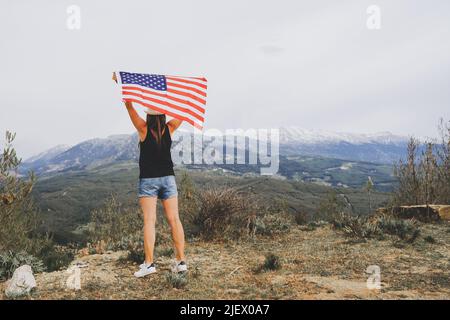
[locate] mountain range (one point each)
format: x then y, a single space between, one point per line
380 148
383 147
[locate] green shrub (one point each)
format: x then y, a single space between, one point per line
301 218
195 271
134 244
163 234
10 261
176 280
376 227
112 222
313 225
18 214
272 224
271 262
355 226
404 229
188 198
330 207
429 239
21 242
164 251
276 206
56 258
136 254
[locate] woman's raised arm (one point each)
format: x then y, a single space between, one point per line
138 122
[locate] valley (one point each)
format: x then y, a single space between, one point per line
66 200
74 180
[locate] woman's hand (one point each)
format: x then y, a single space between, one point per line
114 77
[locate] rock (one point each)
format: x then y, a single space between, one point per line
21 282
422 213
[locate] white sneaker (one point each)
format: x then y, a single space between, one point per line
144 270
179 267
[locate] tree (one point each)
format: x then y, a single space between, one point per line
406 172
18 215
369 188
443 159
330 207
428 170
425 178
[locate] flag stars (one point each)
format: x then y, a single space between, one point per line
152 81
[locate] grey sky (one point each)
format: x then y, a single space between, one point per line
312 64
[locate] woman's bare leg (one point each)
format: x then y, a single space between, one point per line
148 206
171 209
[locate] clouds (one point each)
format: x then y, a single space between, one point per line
311 64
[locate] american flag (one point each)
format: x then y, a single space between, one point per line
183 98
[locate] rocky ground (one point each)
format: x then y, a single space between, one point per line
316 263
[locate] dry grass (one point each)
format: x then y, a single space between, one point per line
316 264
377 226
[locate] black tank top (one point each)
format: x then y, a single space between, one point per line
155 159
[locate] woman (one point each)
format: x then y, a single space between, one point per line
157 181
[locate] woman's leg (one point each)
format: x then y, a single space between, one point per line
171 209
148 206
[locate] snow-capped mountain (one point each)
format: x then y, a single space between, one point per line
383 147
90 153
305 136
48 154
378 148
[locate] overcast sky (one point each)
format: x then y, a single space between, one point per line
312 64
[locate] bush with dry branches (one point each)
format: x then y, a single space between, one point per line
424 176
223 213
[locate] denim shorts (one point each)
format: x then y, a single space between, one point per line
162 187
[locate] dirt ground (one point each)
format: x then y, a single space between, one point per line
315 264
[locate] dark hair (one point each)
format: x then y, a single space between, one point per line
157 126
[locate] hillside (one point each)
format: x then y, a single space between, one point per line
316 263
67 200
336 172
74 180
